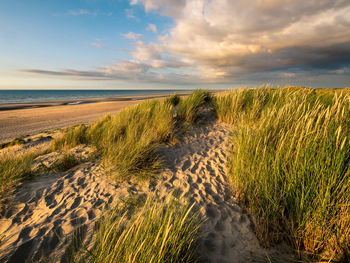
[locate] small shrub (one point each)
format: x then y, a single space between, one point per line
17 141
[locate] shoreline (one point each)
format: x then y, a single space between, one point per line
32 118
52 103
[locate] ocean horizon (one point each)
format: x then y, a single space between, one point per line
28 96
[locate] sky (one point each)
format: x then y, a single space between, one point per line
173 44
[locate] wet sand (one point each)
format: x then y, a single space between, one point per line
27 119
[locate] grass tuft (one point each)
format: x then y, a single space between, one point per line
72 136
189 108
162 231
13 169
173 99
66 162
290 165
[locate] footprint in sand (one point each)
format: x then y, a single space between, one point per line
226 234
59 205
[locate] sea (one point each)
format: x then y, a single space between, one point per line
29 96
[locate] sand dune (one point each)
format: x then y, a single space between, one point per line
47 211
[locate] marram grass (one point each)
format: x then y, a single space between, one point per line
290 165
189 109
126 141
13 169
162 231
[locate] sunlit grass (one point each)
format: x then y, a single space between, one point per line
15 168
189 109
160 231
290 165
127 141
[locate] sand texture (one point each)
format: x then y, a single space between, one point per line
197 171
48 210
51 208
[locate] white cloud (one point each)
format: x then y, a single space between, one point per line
152 27
226 38
84 12
287 75
146 52
130 13
166 7
79 12
98 45
132 36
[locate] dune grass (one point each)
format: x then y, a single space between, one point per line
290 165
127 141
13 169
173 99
16 141
188 109
72 136
162 231
141 230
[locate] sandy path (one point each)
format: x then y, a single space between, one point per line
15 123
197 171
50 208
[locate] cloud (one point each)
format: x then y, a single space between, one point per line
222 41
287 75
152 28
167 7
68 72
145 52
97 44
81 12
123 70
226 38
130 13
132 36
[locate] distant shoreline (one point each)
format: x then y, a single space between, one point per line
51 103
46 97
31 118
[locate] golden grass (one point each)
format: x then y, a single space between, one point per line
290 165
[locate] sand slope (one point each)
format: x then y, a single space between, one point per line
50 208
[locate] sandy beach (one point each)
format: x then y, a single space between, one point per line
52 207
27 119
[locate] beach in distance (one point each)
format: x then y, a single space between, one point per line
29 112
